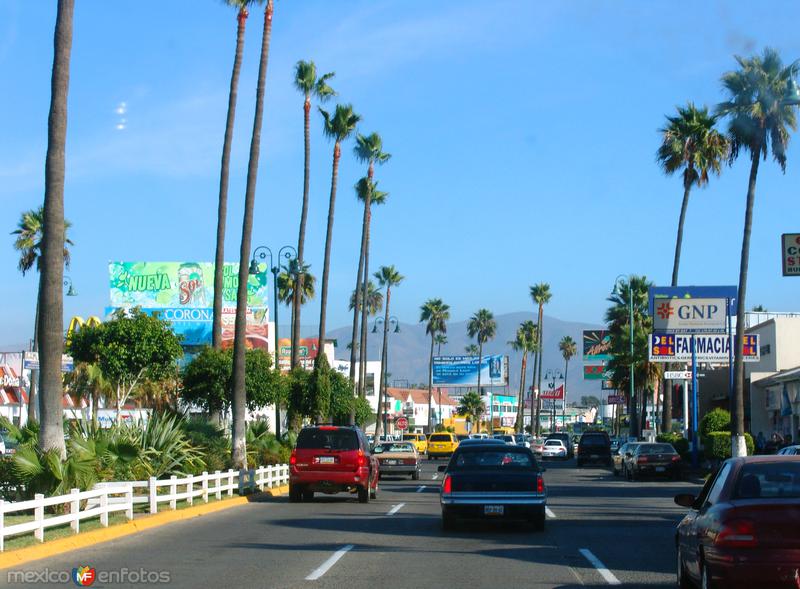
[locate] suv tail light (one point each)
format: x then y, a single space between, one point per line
641 460
676 458
447 484
362 460
539 484
737 533
293 458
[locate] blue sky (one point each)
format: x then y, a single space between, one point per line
523 137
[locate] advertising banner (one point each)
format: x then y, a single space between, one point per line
549 404
462 371
696 315
656 293
616 399
308 353
791 254
557 393
30 361
596 345
711 347
594 372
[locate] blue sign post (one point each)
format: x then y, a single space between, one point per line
694 402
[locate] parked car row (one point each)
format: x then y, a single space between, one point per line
637 459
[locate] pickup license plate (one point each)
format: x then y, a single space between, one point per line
493 510
326 459
660 469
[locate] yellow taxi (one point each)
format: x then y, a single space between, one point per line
419 440
442 444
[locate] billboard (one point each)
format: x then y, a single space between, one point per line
656 293
790 254
711 347
594 372
695 315
596 345
462 371
183 294
557 393
309 347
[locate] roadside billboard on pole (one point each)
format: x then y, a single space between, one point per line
657 293
711 347
596 345
462 371
557 393
696 315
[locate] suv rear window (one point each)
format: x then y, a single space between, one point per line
490 458
597 440
333 439
410 437
441 438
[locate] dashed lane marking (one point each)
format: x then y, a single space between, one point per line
420 489
601 568
395 509
325 567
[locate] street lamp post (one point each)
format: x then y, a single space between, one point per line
630 323
551 376
260 254
384 364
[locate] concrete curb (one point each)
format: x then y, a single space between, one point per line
83 540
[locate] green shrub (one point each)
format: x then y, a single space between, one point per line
678 442
717 445
717 420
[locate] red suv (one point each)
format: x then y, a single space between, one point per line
332 459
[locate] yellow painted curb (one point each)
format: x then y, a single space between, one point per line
62 545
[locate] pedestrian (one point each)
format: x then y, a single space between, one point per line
761 443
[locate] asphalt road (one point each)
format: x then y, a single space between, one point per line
596 521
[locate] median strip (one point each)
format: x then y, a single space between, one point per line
601 568
396 508
325 567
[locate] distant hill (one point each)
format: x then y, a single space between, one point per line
409 350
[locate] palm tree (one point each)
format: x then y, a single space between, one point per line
238 407
434 313
51 276
307 82
472 407
222 208
387 276
338 126
288 278
691 144
482 326
523 342
440 339
536 345
368 149
540 293
29 245
374 300
760 117
568 349
471 350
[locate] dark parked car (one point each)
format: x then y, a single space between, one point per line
743 530
618 457
652 459
594 447
493 482
331 459
564 437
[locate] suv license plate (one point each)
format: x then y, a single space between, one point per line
327 459
594 456
493 510
660 469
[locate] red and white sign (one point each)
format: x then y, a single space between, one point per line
557 393
401 423
791 254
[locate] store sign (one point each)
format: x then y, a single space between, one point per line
656 294
678 374
616 399
30 361
557 393
595 372
711 347
689 315
791 254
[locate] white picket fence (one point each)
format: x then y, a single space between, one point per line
111 497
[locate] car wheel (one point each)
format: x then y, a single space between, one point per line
682 579
308 495
295 494
363 495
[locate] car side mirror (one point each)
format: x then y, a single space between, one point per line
442 468
685 499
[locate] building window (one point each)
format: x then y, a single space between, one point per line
766 349
370 388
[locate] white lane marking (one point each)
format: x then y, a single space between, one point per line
329 563
435 476
549 513
601 568
420 489
396 508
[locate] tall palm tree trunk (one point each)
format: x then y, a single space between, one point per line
362 346
521 397
360 296
430 387
534 393
382 391
337 154
480 362
239 407
222 208
738 446
564 403
51 278
301 239
539 377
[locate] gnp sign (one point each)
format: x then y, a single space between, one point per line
791 254
689 315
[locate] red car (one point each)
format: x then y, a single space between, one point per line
332 459
743 530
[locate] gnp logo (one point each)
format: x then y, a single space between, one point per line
84 576
665 310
